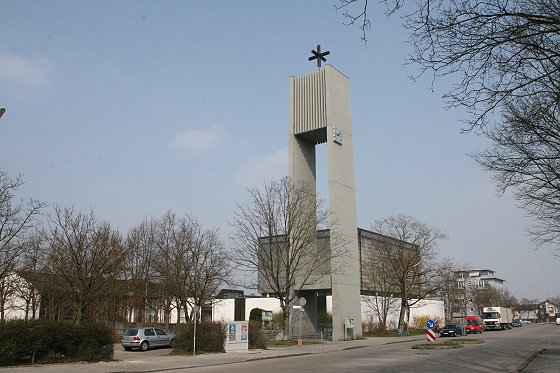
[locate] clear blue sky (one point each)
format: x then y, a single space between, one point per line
132 108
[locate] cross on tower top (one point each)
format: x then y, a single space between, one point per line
317 55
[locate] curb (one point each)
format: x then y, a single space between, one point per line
436 347
529 360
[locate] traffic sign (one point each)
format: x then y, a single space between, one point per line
430 324
431 335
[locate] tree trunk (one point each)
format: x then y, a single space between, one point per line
286 322
402 313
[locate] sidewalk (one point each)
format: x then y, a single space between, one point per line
545 362
180 362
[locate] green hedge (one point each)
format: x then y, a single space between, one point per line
210 337
256 338
39 341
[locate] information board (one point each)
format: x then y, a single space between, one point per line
238 336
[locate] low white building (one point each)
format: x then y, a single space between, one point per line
224 309
425 309
16 298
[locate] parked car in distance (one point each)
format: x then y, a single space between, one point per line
451 330
558 321
474 324
516 323
146 338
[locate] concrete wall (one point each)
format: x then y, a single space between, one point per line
428 307
320 113
224 309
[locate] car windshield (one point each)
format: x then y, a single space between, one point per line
450 326
472 322
491 315
130 332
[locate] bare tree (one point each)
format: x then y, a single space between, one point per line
356 17
87 257
8 287
210 267
554 300
376 280
356 13
410 257
32 266
453 294
500 50
190 260
525 158
493 296
504 57
275 237
16 218
140 266
526 302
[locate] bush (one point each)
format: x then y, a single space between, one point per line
91 342
372 327
420 321
278 318
210 337
256 314
256 339
40 341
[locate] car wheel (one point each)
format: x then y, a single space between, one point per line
128 348
144 346
172 343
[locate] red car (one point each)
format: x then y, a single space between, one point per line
474 324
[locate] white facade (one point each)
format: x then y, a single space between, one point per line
15 290
431 308
223 310
478 278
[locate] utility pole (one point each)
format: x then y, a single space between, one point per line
196 311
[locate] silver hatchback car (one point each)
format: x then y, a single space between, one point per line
146 338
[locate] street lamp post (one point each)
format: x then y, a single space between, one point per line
196 311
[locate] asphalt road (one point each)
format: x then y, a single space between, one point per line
502 351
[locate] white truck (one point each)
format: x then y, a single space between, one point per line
496 318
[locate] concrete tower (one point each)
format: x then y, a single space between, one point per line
320 113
